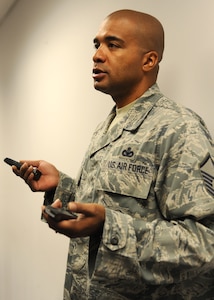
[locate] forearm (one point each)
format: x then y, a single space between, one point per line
174 251
158 252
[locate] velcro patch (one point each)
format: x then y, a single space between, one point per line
207 170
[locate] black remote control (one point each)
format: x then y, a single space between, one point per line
12 162
59 214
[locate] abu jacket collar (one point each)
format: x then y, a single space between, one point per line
131 121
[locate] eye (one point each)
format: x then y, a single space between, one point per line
113 45
96 45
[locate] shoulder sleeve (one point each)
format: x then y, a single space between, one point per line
184 185
179 245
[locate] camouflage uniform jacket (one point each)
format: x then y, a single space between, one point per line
154 174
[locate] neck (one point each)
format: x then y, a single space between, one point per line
125 99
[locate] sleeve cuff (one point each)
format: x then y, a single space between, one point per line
65 191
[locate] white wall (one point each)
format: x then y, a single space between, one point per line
49 109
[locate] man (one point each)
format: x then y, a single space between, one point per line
144 196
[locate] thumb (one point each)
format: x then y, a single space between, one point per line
57 203
83 208
75 207
88 209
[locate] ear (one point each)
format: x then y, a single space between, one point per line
150 61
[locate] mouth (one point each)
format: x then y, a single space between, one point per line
98 74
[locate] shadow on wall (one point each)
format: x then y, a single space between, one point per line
14 26
6 7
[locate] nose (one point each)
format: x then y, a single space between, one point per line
99 55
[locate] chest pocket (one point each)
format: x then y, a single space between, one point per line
126 170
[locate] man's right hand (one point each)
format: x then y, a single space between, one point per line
47 181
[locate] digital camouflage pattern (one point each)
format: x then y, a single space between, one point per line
154 174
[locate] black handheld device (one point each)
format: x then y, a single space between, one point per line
59 214
12 162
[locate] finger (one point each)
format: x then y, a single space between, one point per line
43 213
15 170
43 208
34 163
50 221
57 203
83 208
24 172
28 177
88 209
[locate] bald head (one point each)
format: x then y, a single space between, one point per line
129 46
147 30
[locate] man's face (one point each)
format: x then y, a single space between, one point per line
118 59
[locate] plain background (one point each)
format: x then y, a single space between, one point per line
49 109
